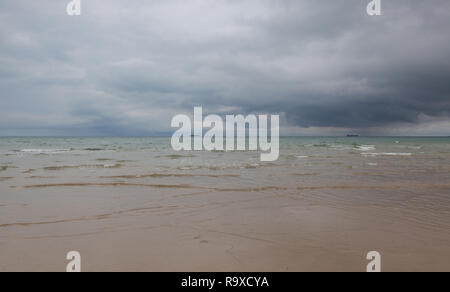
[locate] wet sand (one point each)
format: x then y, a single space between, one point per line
117 229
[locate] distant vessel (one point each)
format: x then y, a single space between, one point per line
352 135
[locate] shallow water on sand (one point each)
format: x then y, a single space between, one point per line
322 206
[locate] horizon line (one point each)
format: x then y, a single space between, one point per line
169 136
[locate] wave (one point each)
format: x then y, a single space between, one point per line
5 178
251 165
94 149
6 167
365 147
301 157
189 167
159 186
86 218
165 175
56 168
307 174
260 189
111 184
369 173
228 167
177 156
340 147
381 187
387 154
117 165
45 151
293 156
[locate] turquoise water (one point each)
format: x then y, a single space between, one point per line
401 163
67 144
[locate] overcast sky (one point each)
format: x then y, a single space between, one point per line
127 67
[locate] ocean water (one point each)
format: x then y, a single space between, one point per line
331 198
332 160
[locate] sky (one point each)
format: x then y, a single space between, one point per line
125 68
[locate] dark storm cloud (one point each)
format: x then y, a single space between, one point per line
125 68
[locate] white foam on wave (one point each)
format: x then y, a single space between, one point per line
340 147
111 165
365 147
45 151
386 154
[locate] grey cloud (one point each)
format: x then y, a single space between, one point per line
126 68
